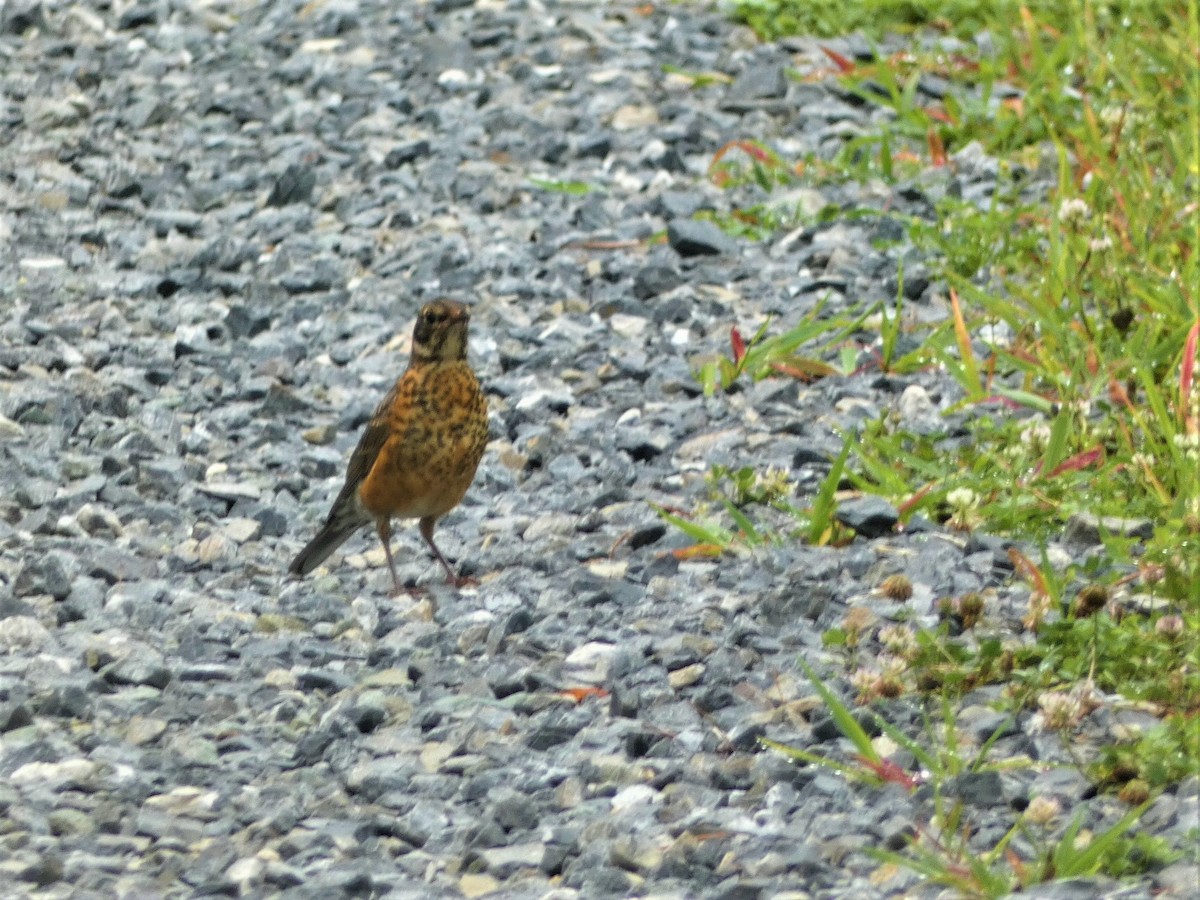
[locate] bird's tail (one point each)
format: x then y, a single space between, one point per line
333 533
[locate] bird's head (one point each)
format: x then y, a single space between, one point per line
440 334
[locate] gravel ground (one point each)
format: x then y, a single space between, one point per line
220 219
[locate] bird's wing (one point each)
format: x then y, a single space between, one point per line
373 438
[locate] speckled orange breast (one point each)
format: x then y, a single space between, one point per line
437 430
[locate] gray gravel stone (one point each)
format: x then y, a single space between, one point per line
868 516
45 574
698 237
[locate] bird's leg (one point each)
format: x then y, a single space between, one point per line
383 526
452 577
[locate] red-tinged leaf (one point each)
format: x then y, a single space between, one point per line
738 343
1026 355
1016 864
888 771
915 500
579 694
937 149
939 115
1187 373
963 338
721 175
804 369
1024 567
720 154
696 550
754 151
1006 402
1084 460
748 147
711 835
845 66
1118 394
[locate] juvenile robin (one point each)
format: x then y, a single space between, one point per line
419 452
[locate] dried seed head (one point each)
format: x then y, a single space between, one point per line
896 587
929 679
1042 810
1058 711
1134 792
857 620
1170 626
864 680
889 687
1008 662
900 640
970 609
1151 573
1091 600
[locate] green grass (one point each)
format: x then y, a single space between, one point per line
943 849
556 186
830 18
1072 329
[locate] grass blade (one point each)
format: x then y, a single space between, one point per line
821 523
963 338
843 718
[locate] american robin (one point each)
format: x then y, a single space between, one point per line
419 452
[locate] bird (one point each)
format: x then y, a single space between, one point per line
418 454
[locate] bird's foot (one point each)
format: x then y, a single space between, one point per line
409 590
